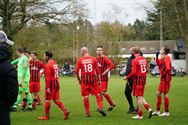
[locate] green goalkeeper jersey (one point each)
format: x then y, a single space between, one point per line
23 69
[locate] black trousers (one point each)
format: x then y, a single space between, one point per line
128 91
4 115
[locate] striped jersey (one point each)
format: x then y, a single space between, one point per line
139 70
104 63
89 69
165 66
51 75
35 67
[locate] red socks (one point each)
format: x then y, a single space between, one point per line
166 104
158 105
99 101
60 105
140 112
147 106
109 99
24 103
86 105
47 107
38 99
34 103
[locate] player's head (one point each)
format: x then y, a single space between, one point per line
27 52
131 50
84 51
136 51
20 51
48 55
99 50
34 55
165 50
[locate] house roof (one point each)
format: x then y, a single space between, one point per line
148 47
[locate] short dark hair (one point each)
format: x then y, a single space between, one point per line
100 47
26 50
166 50
20 50
136 49
48 53
34 53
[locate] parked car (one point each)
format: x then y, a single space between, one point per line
64 72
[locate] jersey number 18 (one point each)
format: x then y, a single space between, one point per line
88 67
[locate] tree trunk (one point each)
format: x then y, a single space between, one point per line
178 19
7 27
6 21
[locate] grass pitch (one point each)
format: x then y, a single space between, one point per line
70 95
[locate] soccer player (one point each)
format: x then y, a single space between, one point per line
138 72
23 81
105 65
35 67
88 80
28 54
165 73
52 87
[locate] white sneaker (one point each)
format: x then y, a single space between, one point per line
157 113
137 117
165 114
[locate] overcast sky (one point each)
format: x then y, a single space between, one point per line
130 10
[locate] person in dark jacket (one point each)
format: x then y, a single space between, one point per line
8 80
129 84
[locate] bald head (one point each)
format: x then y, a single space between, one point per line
84 51
131 49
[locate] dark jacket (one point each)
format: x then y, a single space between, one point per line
129 65
8 79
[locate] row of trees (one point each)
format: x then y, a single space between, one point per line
40 25
66 39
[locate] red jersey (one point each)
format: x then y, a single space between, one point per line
89 69
165 66
139 70
35 67
51 74
104 63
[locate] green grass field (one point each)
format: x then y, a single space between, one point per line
70 95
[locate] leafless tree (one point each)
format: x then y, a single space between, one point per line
15 14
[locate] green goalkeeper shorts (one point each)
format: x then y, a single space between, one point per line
24 88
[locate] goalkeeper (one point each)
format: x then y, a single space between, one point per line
23 81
